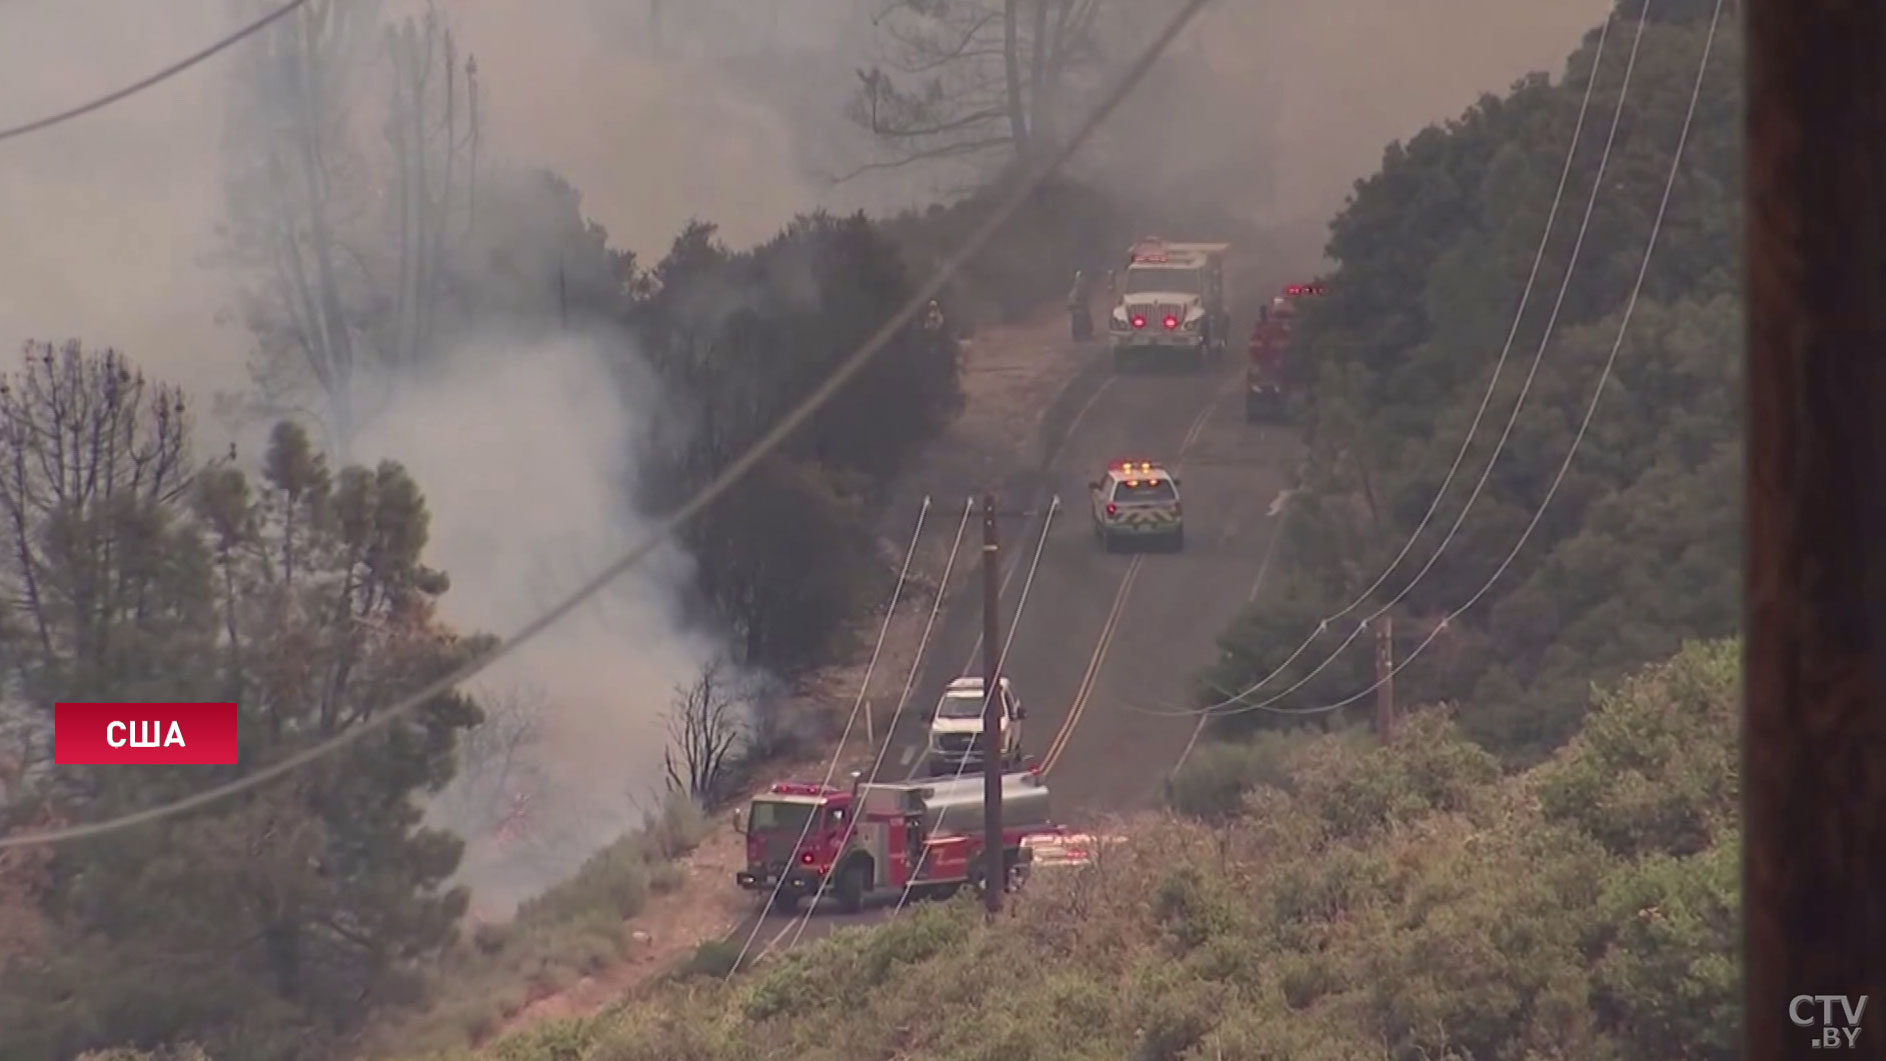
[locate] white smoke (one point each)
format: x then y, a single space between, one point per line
527 454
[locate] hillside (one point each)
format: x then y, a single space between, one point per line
1638 550
1407 901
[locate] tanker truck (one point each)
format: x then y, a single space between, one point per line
923 838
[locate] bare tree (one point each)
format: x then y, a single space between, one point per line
346 271
706 731
965 79
433 131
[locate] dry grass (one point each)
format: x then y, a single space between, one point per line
572 934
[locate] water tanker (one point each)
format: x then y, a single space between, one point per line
919 839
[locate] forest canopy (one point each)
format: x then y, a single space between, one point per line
1639 548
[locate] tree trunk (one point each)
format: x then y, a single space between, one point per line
1012 65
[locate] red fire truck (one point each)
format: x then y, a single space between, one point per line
1267 385
872 840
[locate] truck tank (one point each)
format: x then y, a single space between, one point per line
955 806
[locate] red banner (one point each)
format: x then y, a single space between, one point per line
128 734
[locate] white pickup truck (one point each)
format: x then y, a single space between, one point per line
956 744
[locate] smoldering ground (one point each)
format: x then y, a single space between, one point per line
526 451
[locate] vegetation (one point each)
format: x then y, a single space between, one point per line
1402 901
286 923
138 571
1638 550
571 931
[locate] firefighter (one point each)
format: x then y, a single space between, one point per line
933 317
1080 316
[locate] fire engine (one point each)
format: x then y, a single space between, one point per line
1266 378
1172 303
883 840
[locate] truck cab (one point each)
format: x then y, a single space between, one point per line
956 742
1171 303
794 832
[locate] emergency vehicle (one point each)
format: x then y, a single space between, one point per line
956 741
1267 387
1171 303
883 840
1137 500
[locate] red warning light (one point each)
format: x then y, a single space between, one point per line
1171 323
1139 321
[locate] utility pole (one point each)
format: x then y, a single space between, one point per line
995 875
1385 677
563 299
1814 733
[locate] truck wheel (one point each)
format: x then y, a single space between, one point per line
1178 540
1109 543
851 888
1253 412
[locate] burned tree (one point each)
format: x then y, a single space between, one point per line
92 459
707 731
969 79
344 248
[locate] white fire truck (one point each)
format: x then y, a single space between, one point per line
1171 304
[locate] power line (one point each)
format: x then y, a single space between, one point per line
864 686
668 525
165 74
1538 357
890 731
1001 664
1486 399
1591 407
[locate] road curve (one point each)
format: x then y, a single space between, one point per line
1100 631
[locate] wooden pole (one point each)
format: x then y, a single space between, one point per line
995 874
1385 677
1814 736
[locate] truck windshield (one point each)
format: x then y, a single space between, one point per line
1143 280
771 816
960 707
1157 490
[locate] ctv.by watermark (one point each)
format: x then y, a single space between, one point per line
1835 1019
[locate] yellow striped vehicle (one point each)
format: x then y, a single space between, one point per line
1137 501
